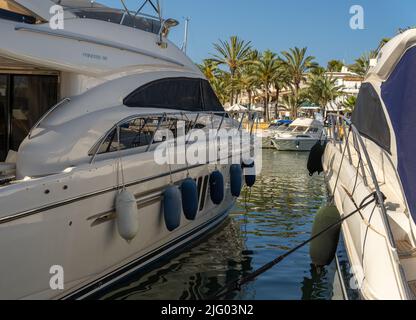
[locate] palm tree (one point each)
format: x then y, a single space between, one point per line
209 68
362 64
349 104
266 69
248 82
222 86
318 71
322 90
298 65
281 81
383 42
234 54
292 102
334 66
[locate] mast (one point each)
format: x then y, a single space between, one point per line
185 40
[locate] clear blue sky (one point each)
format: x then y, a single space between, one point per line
321 25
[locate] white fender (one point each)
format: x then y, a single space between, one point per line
127 215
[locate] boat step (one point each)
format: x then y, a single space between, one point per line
405 249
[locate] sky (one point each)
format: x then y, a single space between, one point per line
321 25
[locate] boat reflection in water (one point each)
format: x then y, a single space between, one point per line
276 216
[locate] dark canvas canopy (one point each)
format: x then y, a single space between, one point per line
399 96
188 94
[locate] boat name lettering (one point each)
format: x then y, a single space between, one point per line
94 56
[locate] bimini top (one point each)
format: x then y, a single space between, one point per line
386 108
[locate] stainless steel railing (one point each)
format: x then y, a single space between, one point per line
339 132
192 117
50 111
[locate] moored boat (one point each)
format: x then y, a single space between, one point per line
301 135
374 154
84 199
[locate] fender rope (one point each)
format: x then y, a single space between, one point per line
236 285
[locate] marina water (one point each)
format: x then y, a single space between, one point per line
275 216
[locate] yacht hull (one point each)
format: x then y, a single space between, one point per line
374 263
79 234
144 263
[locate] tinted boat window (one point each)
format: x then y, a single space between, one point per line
177 93
187 94
140 132
374 127
211 101
18 17
32 96
3 116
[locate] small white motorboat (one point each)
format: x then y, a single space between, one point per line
301 135
267 135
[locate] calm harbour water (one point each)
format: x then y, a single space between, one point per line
276 216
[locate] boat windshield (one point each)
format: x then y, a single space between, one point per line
300 129
283 127
148 24
131 19
313 130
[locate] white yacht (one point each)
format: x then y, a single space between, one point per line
301 135
376 154
119 82
267 134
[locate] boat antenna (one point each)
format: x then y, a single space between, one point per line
185 39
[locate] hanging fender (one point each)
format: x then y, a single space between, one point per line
127 215
323 248
216 187
236 180
189 191
315 159
249 172
172 207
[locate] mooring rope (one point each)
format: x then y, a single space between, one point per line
236 285
332 198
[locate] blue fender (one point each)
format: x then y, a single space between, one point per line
249 179
216 187
172 207
236 179
190 199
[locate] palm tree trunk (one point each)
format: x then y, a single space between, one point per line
249 98
277 102
267 106
232 86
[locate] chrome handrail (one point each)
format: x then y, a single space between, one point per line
56 106
380 196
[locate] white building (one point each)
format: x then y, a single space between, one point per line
350 83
